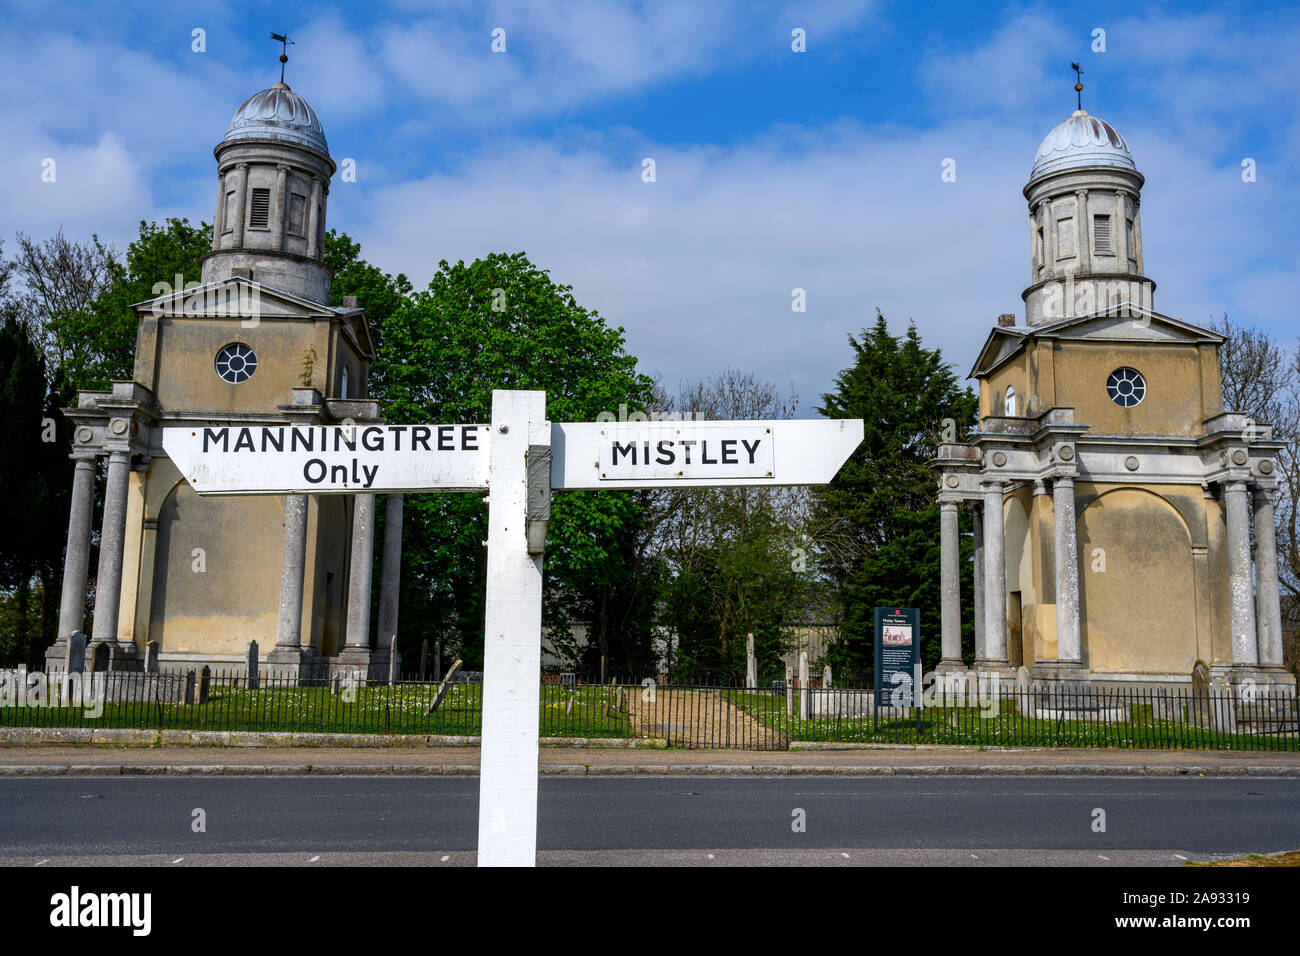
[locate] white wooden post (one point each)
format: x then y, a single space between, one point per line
512 649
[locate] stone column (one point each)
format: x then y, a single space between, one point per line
391 571
76 560
288 629
1241 597
241 204
1069 649
1268 602
995 578
221 209
949 587
313 218
1137 232
1049 237
1121 230
108 582
1084 231
357 647
277 214
977 520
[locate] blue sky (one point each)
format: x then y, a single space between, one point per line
774 169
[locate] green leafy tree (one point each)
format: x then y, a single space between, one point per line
500 322
885 493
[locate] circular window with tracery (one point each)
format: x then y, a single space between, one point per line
1126 387
236 363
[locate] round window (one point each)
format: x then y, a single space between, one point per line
1126 387
236 363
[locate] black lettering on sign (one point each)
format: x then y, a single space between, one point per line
445 439
751 447
704 454
307 469
397 436
277 442
666 448
469 438
372 438
214 435
686 448
303 438
347 436
339 474
625 450
245 440
729 451
420 437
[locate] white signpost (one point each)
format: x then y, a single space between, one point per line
519 458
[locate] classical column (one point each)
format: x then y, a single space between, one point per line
1268 603
277 215
1137 232
288 630
241 201
1068 646
1084 231
1121 230
313 218
363 543
1049 237
108 582
950 585
1241 597
221 208
995 576
391 573
977 521
76 560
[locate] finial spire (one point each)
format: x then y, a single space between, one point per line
284 42
1078 84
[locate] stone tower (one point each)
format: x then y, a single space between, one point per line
1085 223
1114 498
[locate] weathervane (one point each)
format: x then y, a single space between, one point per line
284 47
1078 83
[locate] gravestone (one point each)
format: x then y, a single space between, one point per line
424 658
789 691
335 681
254 678
437 660
803 685
74 658
189 687
751 663
151 657
826 677
393 672
205 680
569 680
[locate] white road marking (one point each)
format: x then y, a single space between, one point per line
1177 857
314 858
178 859
1100 857
445 859
42 863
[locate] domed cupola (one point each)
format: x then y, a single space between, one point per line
277 114
273 172
1085 223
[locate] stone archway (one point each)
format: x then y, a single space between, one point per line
1137 585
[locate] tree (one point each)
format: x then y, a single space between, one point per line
885 493
379 293
500 322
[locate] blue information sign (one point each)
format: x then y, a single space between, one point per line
898 655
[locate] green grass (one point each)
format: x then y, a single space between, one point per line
966 726
383 710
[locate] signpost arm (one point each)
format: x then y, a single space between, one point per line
507 825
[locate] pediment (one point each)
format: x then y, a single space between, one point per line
235 297
1139 325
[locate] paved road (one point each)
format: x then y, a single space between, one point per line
385 820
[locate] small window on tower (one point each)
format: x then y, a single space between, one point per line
1010 404
259 215
1132 248
1101 235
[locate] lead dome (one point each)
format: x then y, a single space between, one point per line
1079 141
280 114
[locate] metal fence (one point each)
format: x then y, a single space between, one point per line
692 716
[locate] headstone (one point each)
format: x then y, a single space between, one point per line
437 660
99 657
335 682
751 663
803 685
189 687
151 657
74 658
789 691
254 677
1223 707
393 672
569 680
826 677
424 658
205 680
